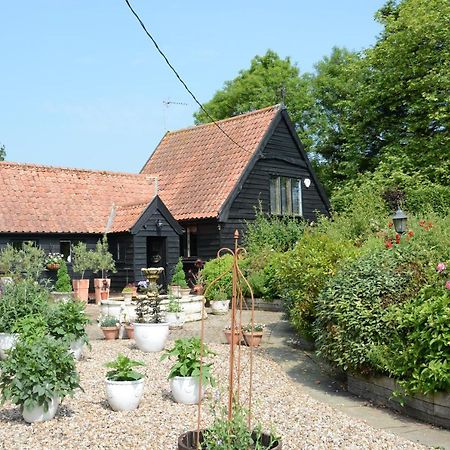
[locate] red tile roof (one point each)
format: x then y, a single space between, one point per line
126 216
198 167
43 199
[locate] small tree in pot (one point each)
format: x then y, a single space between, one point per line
174 312
103 262
179 284
82 261
63 286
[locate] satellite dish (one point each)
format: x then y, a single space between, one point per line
307 182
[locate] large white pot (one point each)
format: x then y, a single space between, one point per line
37 414
7 341
151 337
220 306
111 308
175 320
124 395
76 348
186 390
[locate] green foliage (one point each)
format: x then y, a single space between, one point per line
36 371
179 277
122 369
82 258
350 310
214 269
2 153
187 353
302 273
27 262
148 310
108 321
67 321
63 283
102 259
30 328
418 351
174 305
20 299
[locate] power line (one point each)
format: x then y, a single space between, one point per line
181 80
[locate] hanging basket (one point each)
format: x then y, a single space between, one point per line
53 266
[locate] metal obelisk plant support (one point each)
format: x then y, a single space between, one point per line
234 373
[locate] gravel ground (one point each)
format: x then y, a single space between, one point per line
86 421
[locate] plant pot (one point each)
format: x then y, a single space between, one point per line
81 289
63 297
151 337
127 296
130 331
253 340
124 395
7 342
198 289
104 295
175 320
53 266
76 348
37 413
99 286
175 290
186 390
219 307
184 292
236 336
110 333
190 441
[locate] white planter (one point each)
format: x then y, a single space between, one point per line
63 297
76 348
186 390
220 306
127 296
175 320
124 395
7 341
111 308
185 292
37 414
151 337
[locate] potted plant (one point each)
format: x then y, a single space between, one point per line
37 375
184 375
124 385
127 293
108 324
253 335
24 263
53 261
63 285
82 261
219 303
234 337
67 322
195 277
174 314
179 284
103 262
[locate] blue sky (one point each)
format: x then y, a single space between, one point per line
82 86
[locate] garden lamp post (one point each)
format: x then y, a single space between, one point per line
400 221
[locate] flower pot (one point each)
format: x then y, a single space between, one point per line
104 295
81 289
124 395
219 307
236 336
7 342
110 333
175 290
130 331
253 340
185 292
186 390
37 413
111 308
175 320
190 441
76 348
101 285
151 337
53 266
198 289
127 296
63 297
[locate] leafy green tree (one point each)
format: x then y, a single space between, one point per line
2 152
268 81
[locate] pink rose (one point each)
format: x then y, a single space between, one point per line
441 267
447 285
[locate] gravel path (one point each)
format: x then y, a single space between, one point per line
86 422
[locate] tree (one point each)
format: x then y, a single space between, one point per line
2 152
268 81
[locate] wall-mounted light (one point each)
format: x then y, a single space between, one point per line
307 182
159 224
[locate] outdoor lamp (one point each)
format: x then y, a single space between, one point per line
400 221
159 224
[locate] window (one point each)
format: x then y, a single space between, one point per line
286 196
18 245
65 248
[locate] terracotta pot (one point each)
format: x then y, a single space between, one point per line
130 331
198 289
255 340
81 289
236 336
110 333
189 441
99 287
53 266
104 295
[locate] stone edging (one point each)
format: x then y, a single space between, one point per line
432 408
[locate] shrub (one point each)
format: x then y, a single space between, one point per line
31 328
351 308
20 299
212 270
122 369
179 277
303 271
27 262
63 283
102 259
